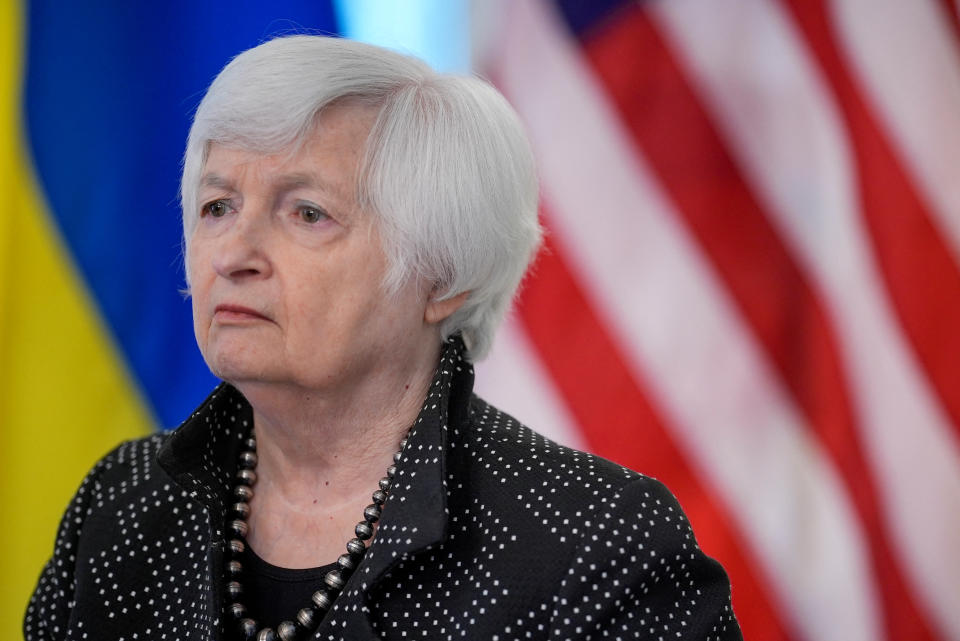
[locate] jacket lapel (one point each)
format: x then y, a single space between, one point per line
415 516
200 456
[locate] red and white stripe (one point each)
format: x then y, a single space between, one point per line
751 285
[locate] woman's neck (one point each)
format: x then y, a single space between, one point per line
310 436
321 456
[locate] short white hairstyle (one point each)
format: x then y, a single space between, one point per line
447 168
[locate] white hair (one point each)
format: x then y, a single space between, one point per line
447 168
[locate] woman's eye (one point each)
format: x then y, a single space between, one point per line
312 214
217 209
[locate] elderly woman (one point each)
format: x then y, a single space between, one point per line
355 227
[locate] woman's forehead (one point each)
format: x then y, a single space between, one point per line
327 160
228 167
327 156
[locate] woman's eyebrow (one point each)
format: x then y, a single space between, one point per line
304 179
282 183
215 180
310 180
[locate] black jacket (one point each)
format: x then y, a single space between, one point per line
491 531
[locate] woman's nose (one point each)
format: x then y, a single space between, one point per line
242 249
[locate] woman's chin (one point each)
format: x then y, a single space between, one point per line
243 367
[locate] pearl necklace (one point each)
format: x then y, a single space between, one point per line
308 618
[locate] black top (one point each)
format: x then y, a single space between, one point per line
275 594
491 531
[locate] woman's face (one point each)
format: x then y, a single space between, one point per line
286 270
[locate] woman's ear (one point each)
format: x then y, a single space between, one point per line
439 310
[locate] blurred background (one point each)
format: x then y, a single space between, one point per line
750 287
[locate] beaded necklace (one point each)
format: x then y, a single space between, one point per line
307 619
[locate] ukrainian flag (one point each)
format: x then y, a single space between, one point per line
96 343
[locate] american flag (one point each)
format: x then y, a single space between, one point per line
751 285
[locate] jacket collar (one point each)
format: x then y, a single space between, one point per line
201 456
415 516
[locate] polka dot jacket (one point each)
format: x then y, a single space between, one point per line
491 531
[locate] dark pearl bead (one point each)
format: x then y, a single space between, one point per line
248 460
322 600
371 513
346 562
385 484
241 509
379 497
403 443
234 568
356 547
243 493
251 443
397 456
267 634
248 629
363 530
238 610
236 547
391 471
307 619
234 589
247 477
286 631
240 528
334 580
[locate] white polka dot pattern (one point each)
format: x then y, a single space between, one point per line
491 532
